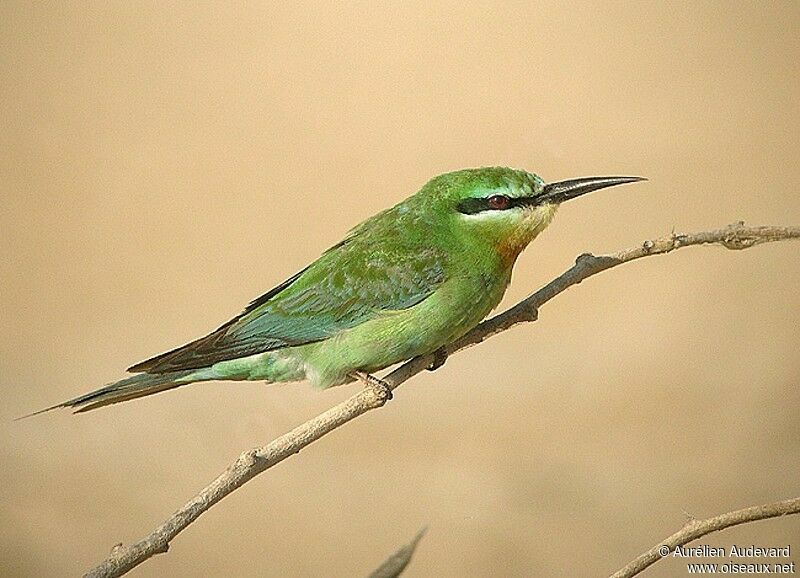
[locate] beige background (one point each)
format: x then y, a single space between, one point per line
162 165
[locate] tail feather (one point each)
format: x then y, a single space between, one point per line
132 387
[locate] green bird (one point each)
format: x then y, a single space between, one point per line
403 283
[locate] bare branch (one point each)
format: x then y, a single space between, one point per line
694 529
397 562
253 462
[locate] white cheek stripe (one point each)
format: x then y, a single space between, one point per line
494 214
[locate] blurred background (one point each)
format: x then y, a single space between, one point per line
161 165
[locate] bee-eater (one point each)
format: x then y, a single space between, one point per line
403 283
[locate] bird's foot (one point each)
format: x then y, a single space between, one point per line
439 357
380 387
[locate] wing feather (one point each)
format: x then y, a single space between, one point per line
349 284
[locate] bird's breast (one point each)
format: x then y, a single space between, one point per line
456 306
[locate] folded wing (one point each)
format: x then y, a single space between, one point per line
346 286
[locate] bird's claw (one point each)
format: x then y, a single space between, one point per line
379 386
439 357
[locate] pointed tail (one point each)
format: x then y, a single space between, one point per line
132 387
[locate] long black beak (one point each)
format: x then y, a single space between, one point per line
565 190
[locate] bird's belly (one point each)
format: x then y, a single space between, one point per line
395 336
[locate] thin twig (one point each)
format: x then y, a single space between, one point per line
253 462
694 529
394 565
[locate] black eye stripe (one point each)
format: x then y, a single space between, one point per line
475 205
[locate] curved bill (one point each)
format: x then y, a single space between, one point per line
566 190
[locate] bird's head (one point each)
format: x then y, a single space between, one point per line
506 207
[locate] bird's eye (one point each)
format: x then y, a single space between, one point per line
498 202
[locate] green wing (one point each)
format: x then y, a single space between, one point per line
348 285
